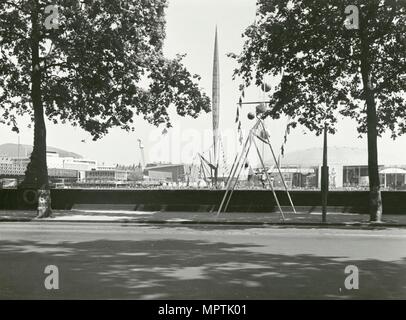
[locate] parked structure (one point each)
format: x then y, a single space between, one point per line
348 169
102 176
14 168
165 172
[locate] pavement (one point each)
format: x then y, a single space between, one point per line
334 219
142 261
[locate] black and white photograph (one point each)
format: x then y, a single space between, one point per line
202 150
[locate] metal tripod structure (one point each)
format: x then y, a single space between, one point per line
238 165
208 169
211 172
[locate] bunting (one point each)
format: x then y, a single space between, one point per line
237 119
285 140
225 166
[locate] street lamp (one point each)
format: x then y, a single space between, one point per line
324 177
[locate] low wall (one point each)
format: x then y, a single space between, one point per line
201 200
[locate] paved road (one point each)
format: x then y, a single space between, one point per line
104 260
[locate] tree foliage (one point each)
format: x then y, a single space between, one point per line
102 65
321 60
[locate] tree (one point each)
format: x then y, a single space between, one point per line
336 60
95 64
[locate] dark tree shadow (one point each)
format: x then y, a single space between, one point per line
186 269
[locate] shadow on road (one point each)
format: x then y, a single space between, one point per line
186 269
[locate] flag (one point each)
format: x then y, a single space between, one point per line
240 132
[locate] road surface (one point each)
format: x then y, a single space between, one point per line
129 261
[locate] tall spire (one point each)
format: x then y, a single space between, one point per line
216 98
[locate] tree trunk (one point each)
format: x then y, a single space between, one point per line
375 198
36 175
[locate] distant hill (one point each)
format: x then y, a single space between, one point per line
346 156
11 150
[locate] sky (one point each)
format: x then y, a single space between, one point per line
190 30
